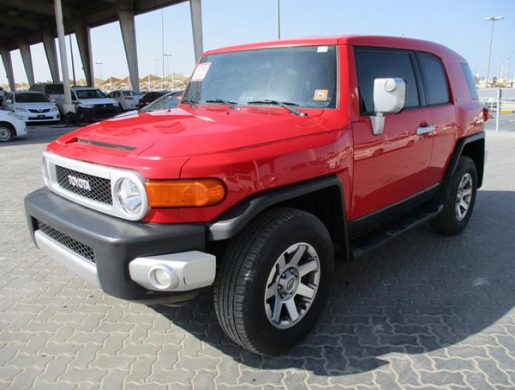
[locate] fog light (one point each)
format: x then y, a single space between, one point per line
163 278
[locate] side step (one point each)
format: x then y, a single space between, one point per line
379 236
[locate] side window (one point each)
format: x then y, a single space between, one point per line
435 82
470 81
377 63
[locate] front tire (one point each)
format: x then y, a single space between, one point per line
6 132
274 280
459 197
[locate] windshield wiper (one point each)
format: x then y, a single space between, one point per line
233 105
288 105
192 103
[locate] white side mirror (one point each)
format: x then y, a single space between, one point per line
389 98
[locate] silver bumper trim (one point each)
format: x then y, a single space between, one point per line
66 257
188 270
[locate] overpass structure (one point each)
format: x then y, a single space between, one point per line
27 22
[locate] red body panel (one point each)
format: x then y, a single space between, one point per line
255 149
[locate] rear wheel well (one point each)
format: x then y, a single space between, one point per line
476 151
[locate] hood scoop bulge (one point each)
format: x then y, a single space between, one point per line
107 145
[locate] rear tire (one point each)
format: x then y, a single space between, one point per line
274 280
459 197
7 132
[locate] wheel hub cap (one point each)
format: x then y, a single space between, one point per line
463 196
292 285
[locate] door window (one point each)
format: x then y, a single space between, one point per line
379 63
435 81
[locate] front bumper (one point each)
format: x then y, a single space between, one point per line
117 255
51 116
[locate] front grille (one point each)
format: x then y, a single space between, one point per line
107 145
68 242
99 188
39 111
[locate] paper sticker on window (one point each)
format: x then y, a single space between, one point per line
201 71
321 94
322 49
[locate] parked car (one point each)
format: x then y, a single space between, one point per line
166 102
149 97
11 125
32 106
54 91
92 104
127 99
278 153
2 95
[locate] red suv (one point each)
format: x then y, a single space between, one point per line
278 152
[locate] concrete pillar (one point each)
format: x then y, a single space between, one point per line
196 25
67 106
8 66
126 16
51 54
27 61
82 33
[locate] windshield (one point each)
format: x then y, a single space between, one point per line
305 76
89 94
166 102
31 98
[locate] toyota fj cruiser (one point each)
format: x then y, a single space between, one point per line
277 153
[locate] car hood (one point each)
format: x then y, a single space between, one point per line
179 134
98 101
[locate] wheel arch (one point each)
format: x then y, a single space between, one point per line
322 197
473 147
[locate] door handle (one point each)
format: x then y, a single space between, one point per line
425 129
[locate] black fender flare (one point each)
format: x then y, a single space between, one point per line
458 151
230 223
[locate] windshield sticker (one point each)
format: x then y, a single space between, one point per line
201 71
322 49
321 94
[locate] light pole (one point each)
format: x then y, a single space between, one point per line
492 19
100 69
278 19
168 67
509 66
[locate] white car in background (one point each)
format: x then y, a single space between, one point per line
127 99
32 106
11 125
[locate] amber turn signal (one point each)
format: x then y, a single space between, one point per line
185 193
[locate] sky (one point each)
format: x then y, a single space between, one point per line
457 24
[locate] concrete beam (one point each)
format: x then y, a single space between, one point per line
27 61
83 35
67 105
17 21
37 7
128 27
8 66
196 25
51 54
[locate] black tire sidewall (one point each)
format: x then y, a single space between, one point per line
296 231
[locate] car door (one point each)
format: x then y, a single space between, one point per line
392 166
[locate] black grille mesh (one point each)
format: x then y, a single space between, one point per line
100 187
107 145
73 245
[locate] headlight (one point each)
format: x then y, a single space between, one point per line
21 109
15 116
45 170
129 196
55 109
86 105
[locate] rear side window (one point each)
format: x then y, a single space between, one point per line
376 63
435 82
54 89
470 81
